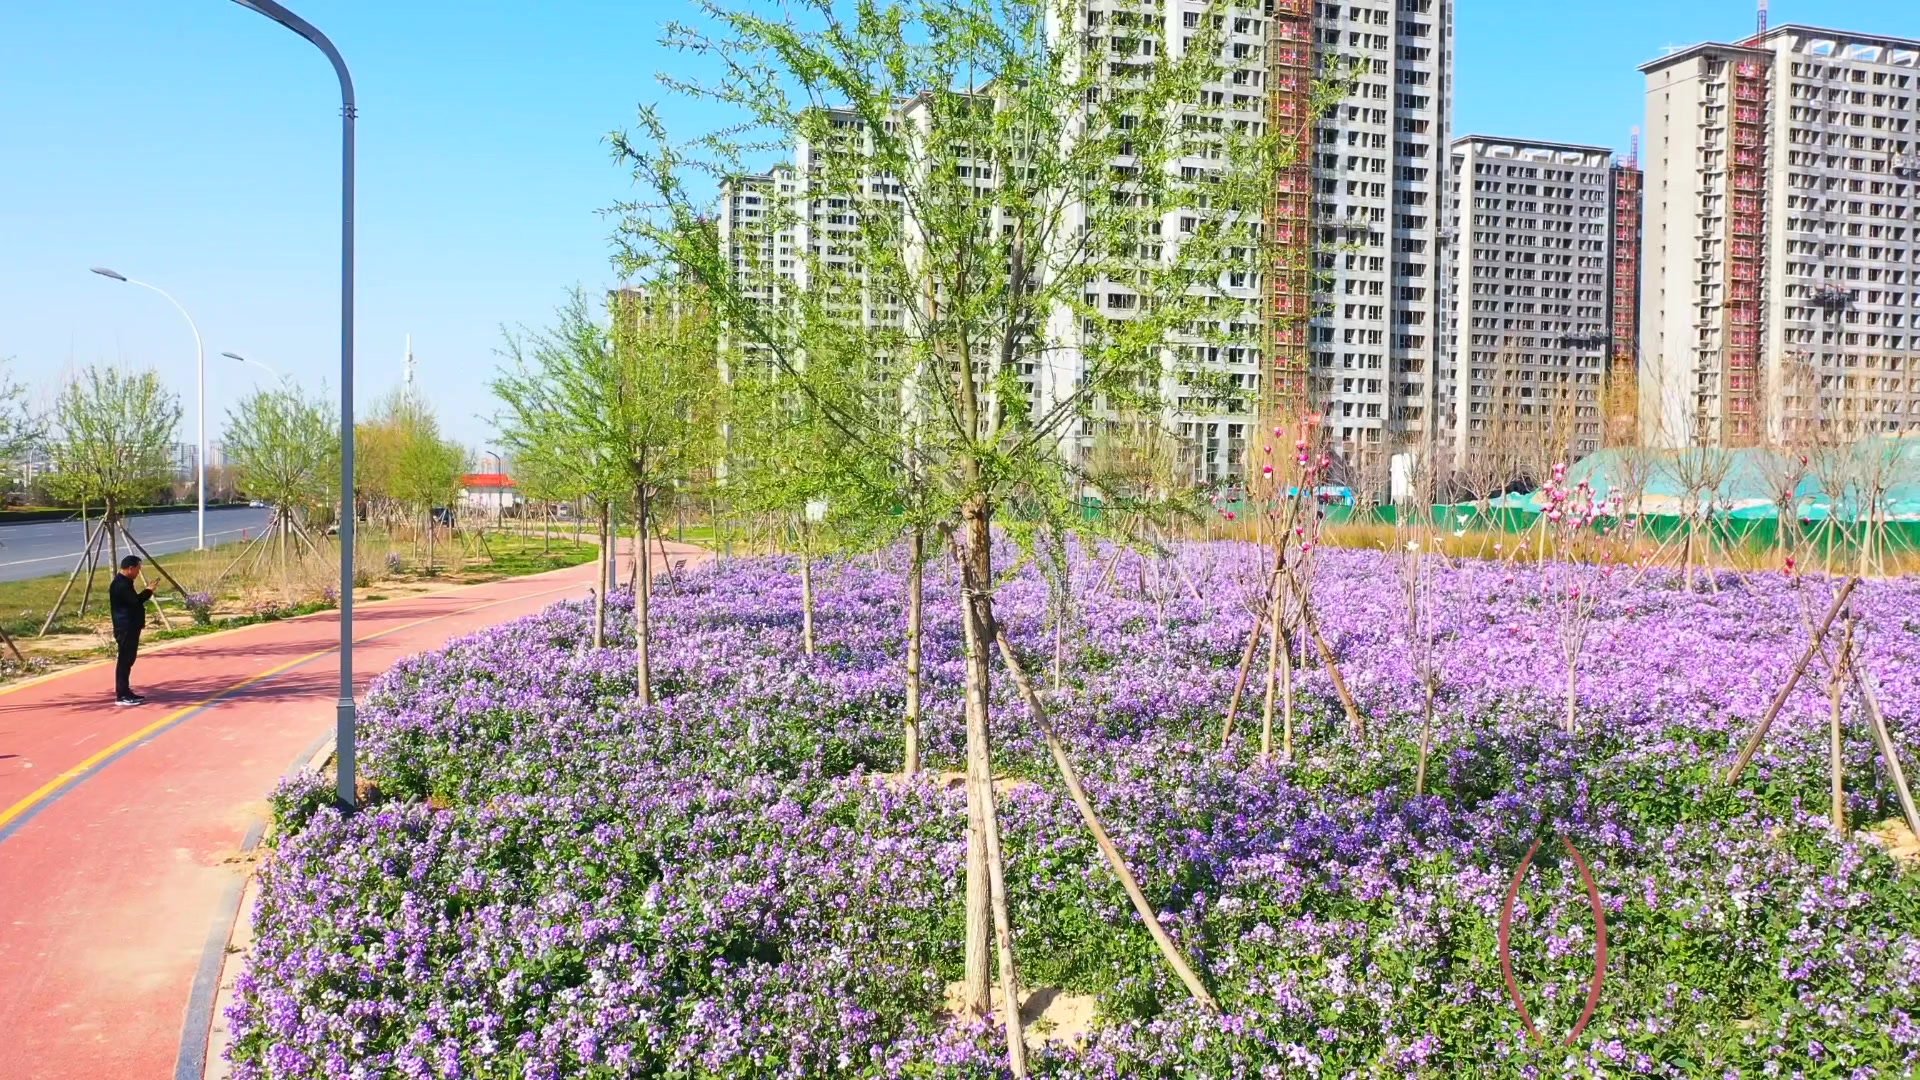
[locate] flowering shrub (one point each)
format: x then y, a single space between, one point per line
297 798
562 883
200 606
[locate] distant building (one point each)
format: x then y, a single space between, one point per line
491 493
1782 173
1530 321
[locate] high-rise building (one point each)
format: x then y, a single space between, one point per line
758 232
1378 185
1779 248
1528 322
1212 382
1351 296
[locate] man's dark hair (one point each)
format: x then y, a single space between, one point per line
129 562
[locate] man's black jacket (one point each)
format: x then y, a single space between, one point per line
129 606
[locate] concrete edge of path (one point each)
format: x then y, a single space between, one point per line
204 1034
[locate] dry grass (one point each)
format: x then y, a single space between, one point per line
263 587
1728 553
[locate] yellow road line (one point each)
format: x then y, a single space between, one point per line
63 780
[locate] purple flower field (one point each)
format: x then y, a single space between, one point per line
559 883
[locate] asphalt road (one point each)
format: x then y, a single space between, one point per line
41 548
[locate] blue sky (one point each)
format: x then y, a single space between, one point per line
195 145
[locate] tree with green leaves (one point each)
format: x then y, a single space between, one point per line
112 447
548 398
630 402
427 469
20 432
284 449
20 429
1045 191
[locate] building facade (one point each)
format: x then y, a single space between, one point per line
1355 289
1779 248
1528 331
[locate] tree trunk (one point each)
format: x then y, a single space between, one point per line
985 887
642 586
1426 736
1836 689
806 590
1168 950
1288 699
979 627
1573 695
1686 553
89 558
916 594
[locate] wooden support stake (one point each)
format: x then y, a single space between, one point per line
1793 679
1168 950
1883 737
86 560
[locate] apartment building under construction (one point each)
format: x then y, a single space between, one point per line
1356 225
1779 281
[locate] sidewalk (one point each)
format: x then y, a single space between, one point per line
121 830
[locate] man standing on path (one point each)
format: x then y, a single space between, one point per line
129 617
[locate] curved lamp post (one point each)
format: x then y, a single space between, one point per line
344 715
268 368
199 405
499 492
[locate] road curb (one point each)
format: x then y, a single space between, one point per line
205 1035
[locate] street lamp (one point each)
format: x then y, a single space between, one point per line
200 401
499 486
344 722
268 368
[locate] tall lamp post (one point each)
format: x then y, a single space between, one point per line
499 488
344 715
199 406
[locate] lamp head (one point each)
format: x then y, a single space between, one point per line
114 274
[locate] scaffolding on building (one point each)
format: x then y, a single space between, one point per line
1289 225
1627 184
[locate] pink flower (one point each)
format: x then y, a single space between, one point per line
1266 470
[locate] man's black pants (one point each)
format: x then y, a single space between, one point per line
129 643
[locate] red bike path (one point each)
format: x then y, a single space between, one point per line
123 832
